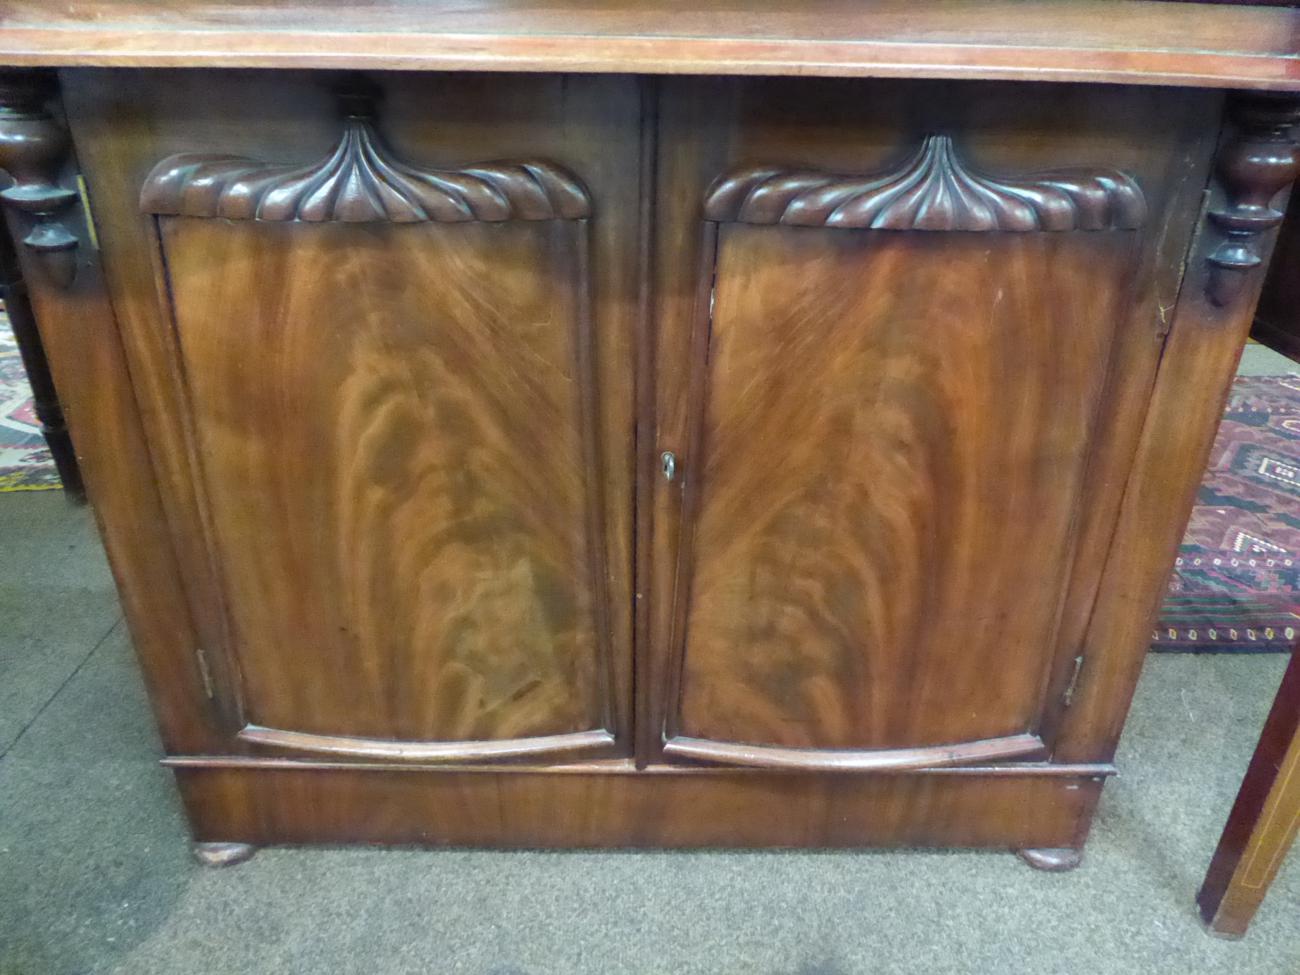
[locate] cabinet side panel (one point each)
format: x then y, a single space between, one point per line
1255 163
80 333
1178 166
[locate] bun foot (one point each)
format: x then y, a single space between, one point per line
222 854
1057 859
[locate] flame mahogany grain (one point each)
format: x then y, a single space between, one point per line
839 541
374 427
410 544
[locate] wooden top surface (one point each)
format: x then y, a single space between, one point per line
1118 41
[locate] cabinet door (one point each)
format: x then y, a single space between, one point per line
897 383
392 402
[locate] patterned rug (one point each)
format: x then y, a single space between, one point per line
25 463
1236 586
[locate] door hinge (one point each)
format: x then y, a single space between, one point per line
205 672
1068 696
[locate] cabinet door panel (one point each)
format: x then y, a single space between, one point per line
897 381
895 431
389 426
388 397
392 410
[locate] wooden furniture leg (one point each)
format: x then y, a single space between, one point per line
1263 821
49 412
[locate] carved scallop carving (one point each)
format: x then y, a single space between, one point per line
934 190
360 182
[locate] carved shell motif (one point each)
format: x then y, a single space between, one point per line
360 182
935 190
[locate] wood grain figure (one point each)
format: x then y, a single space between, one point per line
580 458
428 566
869 452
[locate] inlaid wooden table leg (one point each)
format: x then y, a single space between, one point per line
1263 821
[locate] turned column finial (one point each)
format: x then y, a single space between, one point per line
33 150
1253 167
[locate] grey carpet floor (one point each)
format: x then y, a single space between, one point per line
95 874
1259 360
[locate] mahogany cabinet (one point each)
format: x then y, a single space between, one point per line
551 459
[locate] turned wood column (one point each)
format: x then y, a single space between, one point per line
1254 168
34 149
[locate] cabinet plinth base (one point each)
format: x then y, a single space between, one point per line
222 854
1053 860
302 803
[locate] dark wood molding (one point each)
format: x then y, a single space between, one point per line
1235 45
934 190
846 760
34 148
625 766
1254 167
589 406
360 182
1055 860
429 751
646 736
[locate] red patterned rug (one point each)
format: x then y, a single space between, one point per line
1236 586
